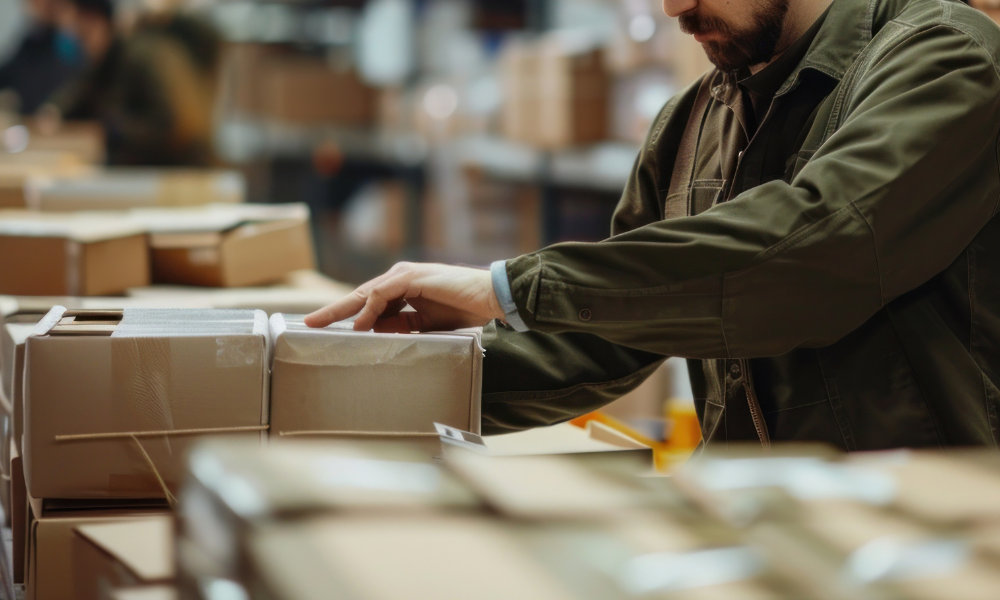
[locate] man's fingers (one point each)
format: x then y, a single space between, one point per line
338 311
405 322
352 304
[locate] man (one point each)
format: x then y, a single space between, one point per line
153 89
815 222
46 60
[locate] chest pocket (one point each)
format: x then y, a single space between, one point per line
701 196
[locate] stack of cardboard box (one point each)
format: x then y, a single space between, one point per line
112 401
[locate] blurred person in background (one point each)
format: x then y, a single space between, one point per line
152 88
47 59
814 224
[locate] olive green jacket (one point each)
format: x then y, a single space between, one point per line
859 294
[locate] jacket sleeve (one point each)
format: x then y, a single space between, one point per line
888 201
534 379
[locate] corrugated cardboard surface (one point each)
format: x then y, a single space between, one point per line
98 385
19 515
50 547
122 554
339 380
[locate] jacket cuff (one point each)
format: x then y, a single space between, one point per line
501 287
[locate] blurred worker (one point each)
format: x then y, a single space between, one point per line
153 89
816 220
46 60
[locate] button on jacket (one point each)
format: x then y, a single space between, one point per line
842 287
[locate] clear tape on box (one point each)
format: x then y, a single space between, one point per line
365 348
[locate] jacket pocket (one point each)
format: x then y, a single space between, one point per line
701 196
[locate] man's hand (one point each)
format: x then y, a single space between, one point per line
445 298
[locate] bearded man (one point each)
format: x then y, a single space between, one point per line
813 225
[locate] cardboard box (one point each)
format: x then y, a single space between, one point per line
14 335
308 91
19 516
442 557
127 188
114 399
228 246
70 255
50 565
336 381
132 553
296 480
557 93
451 556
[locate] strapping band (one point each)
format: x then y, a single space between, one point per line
361 433
138 434
171 499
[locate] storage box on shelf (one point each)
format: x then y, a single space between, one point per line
113 399
557 92
339 382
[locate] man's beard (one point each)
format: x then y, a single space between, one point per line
740 48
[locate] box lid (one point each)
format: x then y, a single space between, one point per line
145 546
214 217
79 228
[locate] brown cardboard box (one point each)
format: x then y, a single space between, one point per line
141 372
557 93
137 552
228 246
50 567
336 381
19 515
305 91
25 312
70 255
296 480
14 335
126 188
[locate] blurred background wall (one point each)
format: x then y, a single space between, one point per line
457 130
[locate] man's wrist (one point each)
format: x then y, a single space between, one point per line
501 288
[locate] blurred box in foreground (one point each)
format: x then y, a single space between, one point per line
113 399
294 481
336 381
70 255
